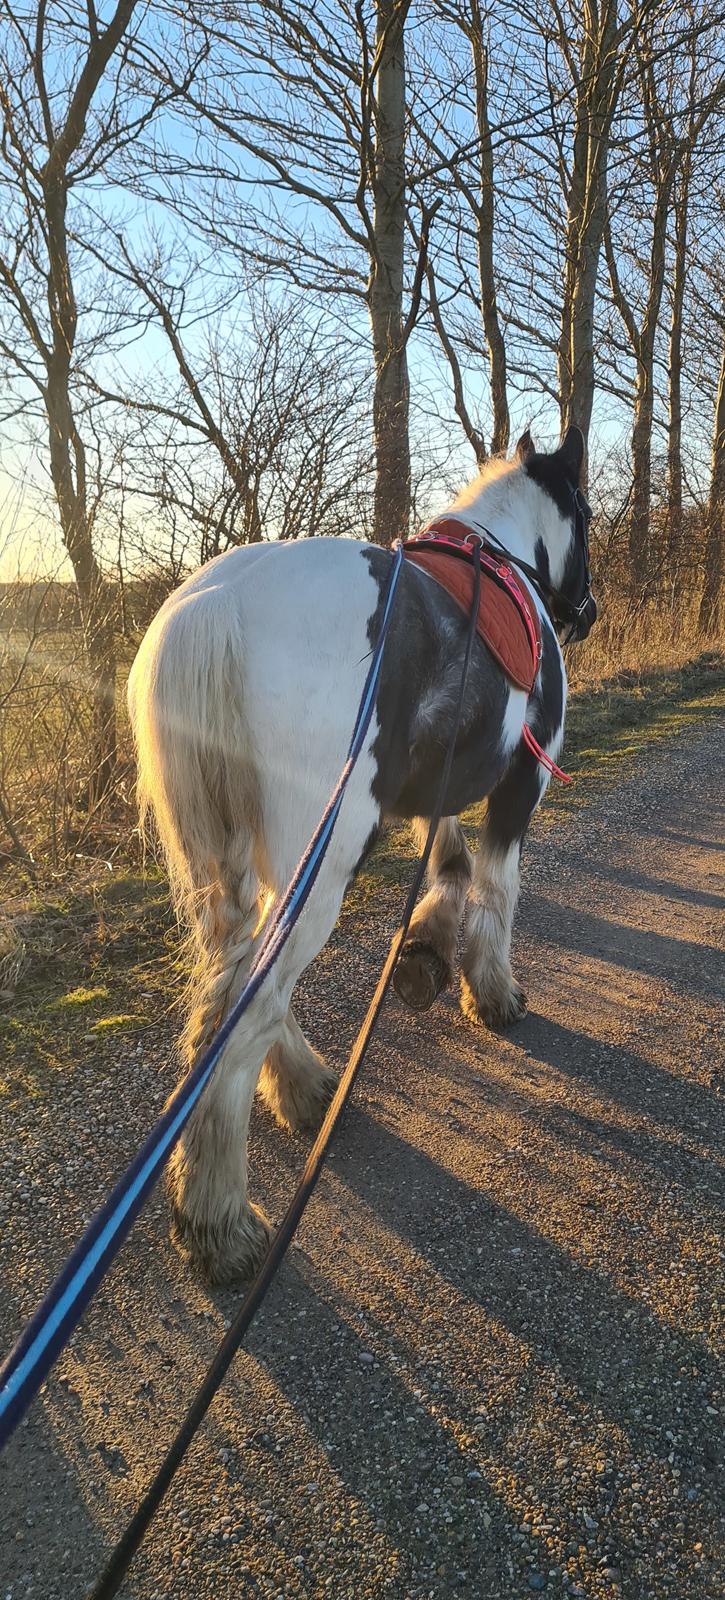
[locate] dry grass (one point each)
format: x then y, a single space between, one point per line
13 957
46 826
47 832
101 958
632 640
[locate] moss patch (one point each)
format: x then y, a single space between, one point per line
81 997
119 1024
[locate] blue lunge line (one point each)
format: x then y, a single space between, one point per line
49 1330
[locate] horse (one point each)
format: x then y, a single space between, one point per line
242 698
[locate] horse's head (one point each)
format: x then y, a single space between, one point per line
561 550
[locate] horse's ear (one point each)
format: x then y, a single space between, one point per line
571 451
525 448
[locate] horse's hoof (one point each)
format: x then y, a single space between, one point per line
228 1255
420 975
497 1011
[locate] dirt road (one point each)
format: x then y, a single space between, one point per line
490 1368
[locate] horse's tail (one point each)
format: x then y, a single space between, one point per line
197 778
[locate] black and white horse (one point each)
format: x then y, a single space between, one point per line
243 697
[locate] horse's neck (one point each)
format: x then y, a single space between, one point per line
484 511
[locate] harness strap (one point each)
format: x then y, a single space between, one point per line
452 536
533 745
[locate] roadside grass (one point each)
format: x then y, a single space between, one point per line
49 823
611 725
101 959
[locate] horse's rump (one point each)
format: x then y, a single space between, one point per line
242 699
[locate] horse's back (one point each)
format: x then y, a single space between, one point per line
298 580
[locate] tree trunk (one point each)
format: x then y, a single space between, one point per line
575 211
674 421
68 471
484 240
711 606
639 556
67 454
581 338
385 293
97 604
641 574
597 92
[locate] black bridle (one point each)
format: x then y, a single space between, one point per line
560 608
582 519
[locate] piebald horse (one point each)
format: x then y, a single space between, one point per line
243 697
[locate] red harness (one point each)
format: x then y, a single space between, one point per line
508 620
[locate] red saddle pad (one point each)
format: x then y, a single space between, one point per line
508 621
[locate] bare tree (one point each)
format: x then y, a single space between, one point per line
696 236
664 153
65 116
470 169
671 130
556 104
383 97
677 303
42 139
327 137
711 602
166 182
597 77
282 405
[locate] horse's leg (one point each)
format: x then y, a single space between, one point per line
215 1226
489 991
427 959
208 1169
295 1084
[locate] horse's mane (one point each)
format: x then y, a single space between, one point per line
495 475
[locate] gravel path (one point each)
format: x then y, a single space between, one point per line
490 1367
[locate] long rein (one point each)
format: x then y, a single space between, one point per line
121 1557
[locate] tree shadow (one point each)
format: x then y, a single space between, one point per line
576 1319
690 968
695 841
631 878
635 1082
